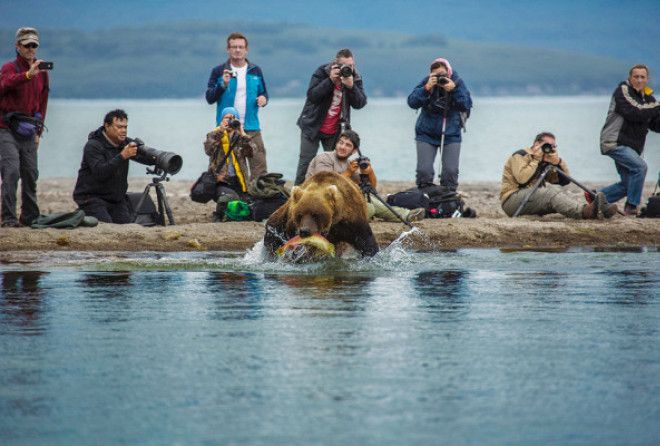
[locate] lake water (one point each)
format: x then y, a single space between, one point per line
497 128
472 347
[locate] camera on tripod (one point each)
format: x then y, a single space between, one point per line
167 162
363 162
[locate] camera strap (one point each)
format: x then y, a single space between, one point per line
232 144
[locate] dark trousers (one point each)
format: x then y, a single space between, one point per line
308 149
18 160
106 211
426 158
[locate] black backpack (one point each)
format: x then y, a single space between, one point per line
263 207
147 215
438 201
652 208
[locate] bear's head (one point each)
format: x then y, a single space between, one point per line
314 208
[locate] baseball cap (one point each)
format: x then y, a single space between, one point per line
27 35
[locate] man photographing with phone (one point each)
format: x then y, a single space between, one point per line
23 100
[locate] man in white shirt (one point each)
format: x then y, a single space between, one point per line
240 84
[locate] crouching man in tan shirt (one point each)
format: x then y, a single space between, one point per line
522 170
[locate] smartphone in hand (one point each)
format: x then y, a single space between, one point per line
45 66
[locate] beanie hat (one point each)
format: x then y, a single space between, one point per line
231 110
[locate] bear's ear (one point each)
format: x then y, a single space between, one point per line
332 193
296 193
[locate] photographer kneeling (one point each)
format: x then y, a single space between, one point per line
227 147
103 176
337 161
523 169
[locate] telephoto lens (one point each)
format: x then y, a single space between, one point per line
168 162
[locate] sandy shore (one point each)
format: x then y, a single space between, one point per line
195 231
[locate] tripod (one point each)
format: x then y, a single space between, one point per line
369 191
546 170
161 197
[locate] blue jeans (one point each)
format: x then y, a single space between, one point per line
632 170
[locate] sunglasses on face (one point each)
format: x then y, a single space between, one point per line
31 46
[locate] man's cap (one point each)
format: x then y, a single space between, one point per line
27 35
231 110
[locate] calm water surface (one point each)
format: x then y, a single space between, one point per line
469 347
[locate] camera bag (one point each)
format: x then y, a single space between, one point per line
203 190
409 199
438 201
263 207
147 215
652 208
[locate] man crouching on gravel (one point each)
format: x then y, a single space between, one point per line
521 172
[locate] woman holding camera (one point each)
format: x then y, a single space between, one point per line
445 103
227 147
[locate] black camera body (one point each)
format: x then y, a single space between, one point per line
363 162
547 148
442 80
234 124
168 162
345 70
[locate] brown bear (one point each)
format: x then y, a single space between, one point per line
327 203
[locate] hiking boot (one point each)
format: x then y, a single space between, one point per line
608 210
416 214
218 218
11 224
590 211
629 210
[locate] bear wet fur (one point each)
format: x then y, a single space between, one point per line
327 203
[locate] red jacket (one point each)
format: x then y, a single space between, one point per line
18 94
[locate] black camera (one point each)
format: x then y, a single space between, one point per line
363 162
547 148
345 70
442 80
169 162
234 124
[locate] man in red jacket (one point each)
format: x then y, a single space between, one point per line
23 89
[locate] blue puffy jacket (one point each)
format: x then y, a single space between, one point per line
255 86
429 123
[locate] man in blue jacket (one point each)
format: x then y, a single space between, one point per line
444 100
240 84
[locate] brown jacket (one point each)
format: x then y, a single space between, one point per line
216 147
522 170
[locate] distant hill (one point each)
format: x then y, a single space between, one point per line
174 60
613 28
